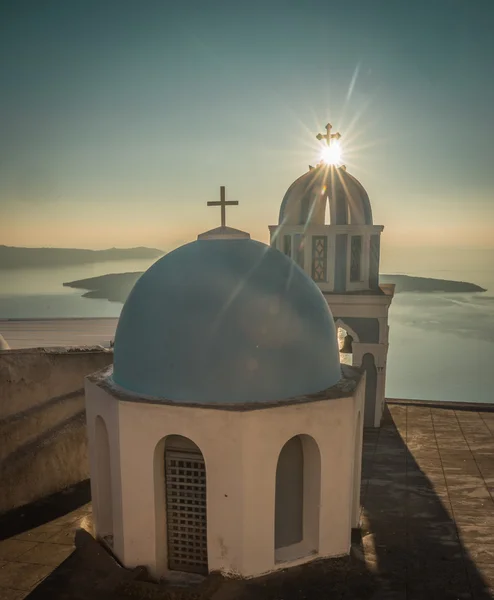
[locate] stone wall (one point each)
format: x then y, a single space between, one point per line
43 446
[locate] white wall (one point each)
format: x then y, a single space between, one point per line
329 231
241 451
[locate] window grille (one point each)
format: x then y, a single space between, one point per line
185 480
319 257
374 262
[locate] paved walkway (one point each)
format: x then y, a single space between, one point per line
32 333
36 539
428 509
427 522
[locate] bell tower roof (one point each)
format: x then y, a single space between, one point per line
305 200
342 255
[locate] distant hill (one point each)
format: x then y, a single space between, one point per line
15 258
116 286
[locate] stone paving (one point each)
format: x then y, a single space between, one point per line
428 509
427 519
34 541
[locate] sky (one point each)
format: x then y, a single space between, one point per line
119 120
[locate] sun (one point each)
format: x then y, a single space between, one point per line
332 155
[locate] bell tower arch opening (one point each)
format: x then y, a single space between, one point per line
345 340
327 213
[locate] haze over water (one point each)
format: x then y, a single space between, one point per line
441 345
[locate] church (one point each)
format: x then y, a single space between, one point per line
342 258
227 434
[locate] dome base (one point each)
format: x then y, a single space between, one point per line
224 233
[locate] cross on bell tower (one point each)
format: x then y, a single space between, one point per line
328 136
223 203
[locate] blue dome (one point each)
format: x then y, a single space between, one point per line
229 321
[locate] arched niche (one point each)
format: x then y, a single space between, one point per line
104 496
181 506
297 499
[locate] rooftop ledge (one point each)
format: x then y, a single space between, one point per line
343 389
445 404
58 350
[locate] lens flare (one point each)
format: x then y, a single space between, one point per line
331 155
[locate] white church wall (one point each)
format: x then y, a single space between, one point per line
42 420
379 351
358 306
143 429
331 232
241 451
331 424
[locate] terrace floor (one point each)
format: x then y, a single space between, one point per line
427 527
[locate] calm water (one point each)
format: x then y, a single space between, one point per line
39 293
441 346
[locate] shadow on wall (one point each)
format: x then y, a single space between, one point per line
42 421
408 533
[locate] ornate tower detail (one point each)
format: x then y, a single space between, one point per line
342 257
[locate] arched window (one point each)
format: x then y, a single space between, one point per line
319 258
327 212
297 499
374 256
356 258
104 498
185 501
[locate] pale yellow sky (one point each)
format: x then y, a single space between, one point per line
409 221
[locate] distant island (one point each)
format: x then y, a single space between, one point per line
12 257
409 283
116 287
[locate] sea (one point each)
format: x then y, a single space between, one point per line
441 345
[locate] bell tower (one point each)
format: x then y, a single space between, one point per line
342 257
